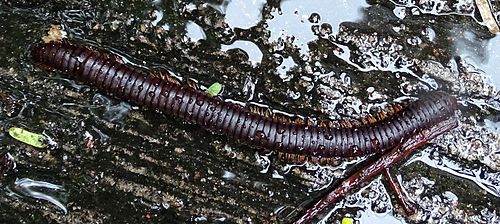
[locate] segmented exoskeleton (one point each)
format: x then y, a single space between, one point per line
144 88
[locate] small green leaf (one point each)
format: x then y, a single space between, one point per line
214 89
347 220
30 138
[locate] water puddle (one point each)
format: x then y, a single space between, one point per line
251 50
301 23
483 54
39 190
242 14
484 178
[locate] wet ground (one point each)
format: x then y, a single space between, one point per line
111 162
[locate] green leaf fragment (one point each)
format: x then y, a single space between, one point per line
214 89
347 220
30 138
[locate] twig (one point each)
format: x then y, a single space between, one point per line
378 166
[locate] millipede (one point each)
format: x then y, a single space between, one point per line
137 85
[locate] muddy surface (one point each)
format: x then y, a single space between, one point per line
111 162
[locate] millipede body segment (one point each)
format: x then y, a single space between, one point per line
144 88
